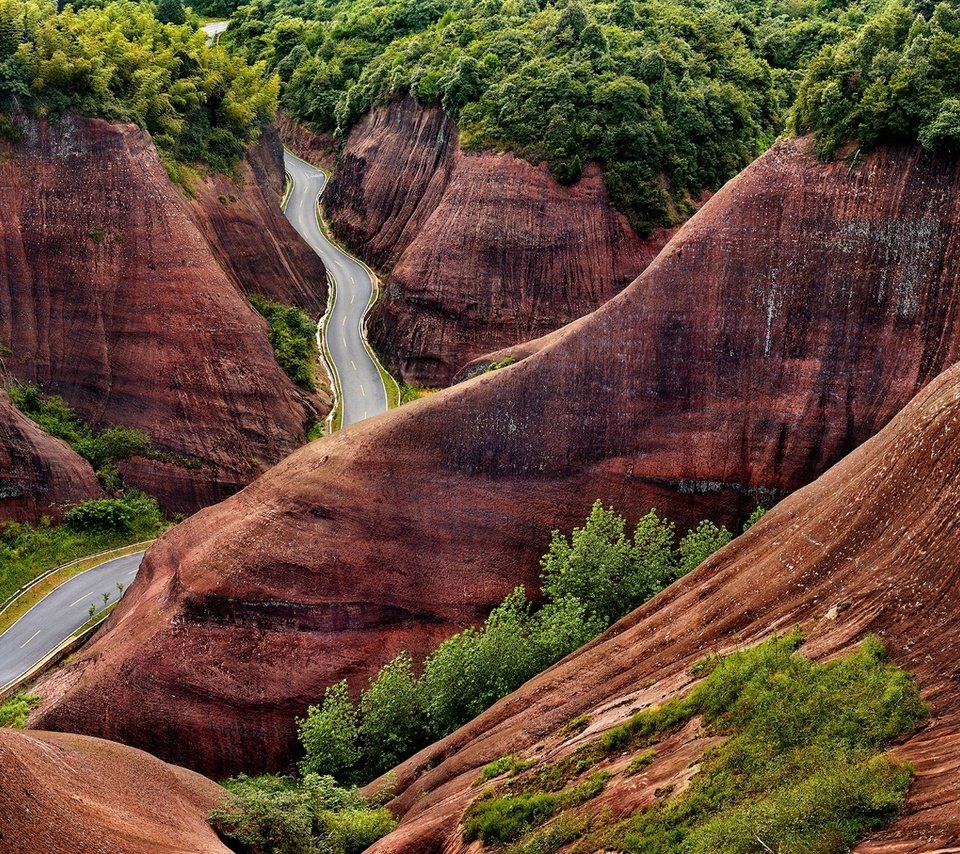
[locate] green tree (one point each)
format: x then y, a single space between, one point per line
330 734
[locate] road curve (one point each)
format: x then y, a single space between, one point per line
361 385
60 613
214 30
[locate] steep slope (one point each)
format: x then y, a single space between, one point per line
479 251
749 357
64 794
867 548
38 473
251 238
111 297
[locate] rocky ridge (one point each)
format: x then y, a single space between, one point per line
112 297
867 548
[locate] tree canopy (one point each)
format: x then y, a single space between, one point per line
895 80
119 61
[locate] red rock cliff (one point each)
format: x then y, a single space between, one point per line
479 251
38 473
785 324
870 547
111 297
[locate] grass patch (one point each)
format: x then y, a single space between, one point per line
293 336
508 765
802 769
26 551
14 711
503 818
640 761
503 363
410 392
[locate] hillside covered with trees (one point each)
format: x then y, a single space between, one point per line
118 61
671 96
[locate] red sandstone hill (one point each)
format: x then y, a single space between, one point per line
785 324
38 473
870 547
479 251
111 296
69 794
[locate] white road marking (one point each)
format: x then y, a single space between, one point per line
133 571
354 364
344 339
353 296
85 595
29 638
362 392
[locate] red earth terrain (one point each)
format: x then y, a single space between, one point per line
784 325
478 250
870 547
38 473
67 794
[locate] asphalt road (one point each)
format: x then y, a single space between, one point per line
213 30
363 393
60 613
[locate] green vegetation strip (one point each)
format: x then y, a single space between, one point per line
19 606
293 336
802 767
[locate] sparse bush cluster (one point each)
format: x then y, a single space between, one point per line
119 60
14 711
277 815
589 580
293 336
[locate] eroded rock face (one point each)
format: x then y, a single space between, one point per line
38 473
111 297
479 251
784 325
252 239
63 794
867 548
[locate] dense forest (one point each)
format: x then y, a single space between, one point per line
118 61
672 97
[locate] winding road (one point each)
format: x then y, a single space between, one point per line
60 613
361 388
214 30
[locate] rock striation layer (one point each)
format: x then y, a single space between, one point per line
65 794
111 297
38 473
867 548
478 251
784 325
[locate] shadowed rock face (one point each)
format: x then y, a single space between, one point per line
479 251
111 297
38 473
870 547
785 324
64 794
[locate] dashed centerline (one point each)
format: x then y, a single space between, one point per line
29 638
85 595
